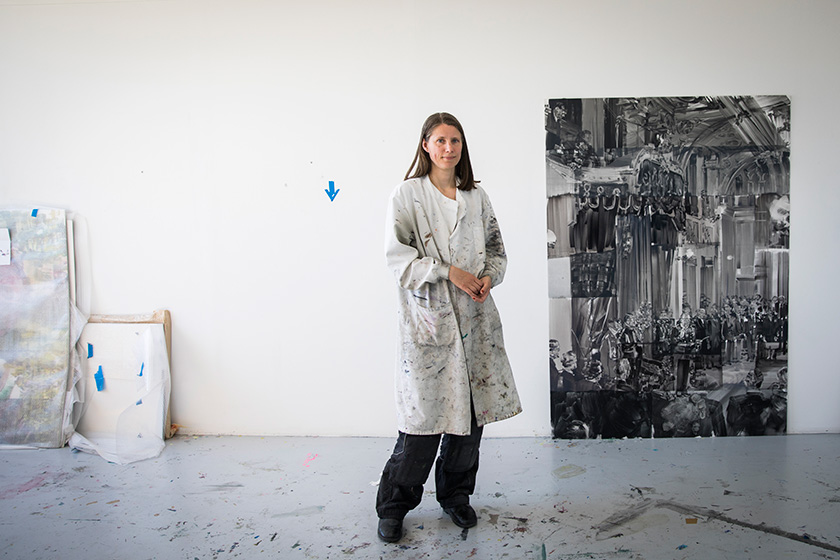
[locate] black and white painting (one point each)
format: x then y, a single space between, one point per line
668 254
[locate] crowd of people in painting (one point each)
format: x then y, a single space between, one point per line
643 352
663 375
741 329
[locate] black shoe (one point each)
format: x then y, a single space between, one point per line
463 515
390 530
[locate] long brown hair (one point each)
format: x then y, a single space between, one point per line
422 164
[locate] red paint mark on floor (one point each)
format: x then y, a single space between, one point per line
36 482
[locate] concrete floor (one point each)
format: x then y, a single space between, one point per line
537 498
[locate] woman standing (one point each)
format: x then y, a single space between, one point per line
453 376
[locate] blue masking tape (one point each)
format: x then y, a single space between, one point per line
35 213
139 402
90 350
100 379
142 365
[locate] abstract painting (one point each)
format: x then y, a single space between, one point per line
35 345
668 253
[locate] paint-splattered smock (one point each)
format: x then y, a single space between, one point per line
449 346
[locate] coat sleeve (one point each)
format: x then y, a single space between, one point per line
410 268
495 258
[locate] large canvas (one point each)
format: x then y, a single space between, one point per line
668 251
35 345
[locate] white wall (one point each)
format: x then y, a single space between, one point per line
197 138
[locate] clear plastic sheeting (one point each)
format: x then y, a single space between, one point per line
123 393
38 326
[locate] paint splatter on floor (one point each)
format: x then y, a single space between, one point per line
556 501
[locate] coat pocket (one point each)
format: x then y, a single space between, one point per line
431 326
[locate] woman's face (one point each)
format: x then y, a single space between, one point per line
444 146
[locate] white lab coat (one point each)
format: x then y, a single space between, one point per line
449 346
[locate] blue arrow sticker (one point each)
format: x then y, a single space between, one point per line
100 379
332 192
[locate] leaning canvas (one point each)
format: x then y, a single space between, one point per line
124 391
668 249
35 330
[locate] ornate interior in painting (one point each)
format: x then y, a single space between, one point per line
668 255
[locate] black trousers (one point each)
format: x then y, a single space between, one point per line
401 485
